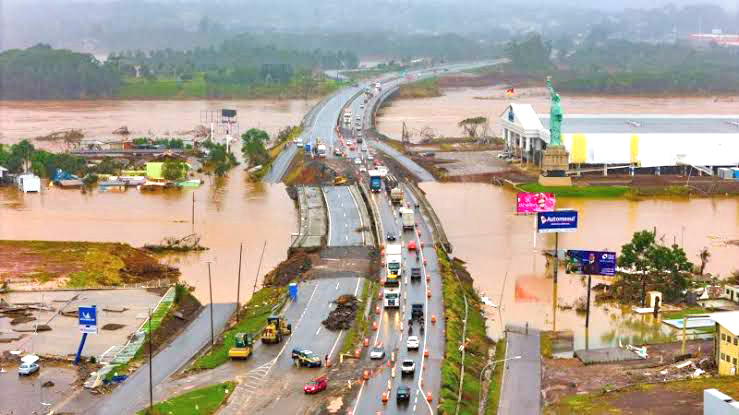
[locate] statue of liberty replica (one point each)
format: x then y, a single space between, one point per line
555 161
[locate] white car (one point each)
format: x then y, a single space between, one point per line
363 169
408 367
357 161
377 353
361 106
358 117
27 368
349 142
412 343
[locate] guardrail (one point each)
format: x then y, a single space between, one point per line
158 283
436 227
373 211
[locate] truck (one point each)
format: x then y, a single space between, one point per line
321 150
391 297
275 329
409 218
348 116
396 196
243 344
394 257
375 181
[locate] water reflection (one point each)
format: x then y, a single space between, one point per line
505 259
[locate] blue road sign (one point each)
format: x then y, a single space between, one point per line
88 319
556 221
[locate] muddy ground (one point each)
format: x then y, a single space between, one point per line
357 261
54 264
563 377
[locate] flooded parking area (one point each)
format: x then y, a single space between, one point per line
508 266
120 313
36 393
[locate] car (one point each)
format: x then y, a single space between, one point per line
417 313
412 343
370 157
361 106
390 236
415 273
357 161
408 367
27 368
349 143
316 385
377 353
306 358
412 245
358 117
403 394
363 169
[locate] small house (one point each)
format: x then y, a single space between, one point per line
28 183
3 172
727 341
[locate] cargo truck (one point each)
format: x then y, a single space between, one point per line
375 181
396 196
394 256
409 218
391 297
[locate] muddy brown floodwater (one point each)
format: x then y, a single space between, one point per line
499 249
459 103
228 210
98 119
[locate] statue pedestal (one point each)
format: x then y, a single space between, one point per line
554 165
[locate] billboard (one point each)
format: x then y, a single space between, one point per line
534 202
556 221
88 319
590 262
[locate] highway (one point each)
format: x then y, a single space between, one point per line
343 217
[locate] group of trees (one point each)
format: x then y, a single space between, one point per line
41 72
607 66
218 158
24 157
253 146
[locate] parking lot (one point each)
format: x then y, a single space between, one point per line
36 393
120 312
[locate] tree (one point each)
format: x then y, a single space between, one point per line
658 265
24 151
253 146
173 170
471 125
704 255
531 54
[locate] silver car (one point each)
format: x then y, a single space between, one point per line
377 353
27 368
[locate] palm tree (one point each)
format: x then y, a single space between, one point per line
704 256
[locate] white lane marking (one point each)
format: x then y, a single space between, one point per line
361 221
328 213
319 329
337 285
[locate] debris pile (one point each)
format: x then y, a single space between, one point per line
342 317
122 131
289 269
188 243
69 135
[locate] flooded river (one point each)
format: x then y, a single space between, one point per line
98 119
228 210
498 247
459 103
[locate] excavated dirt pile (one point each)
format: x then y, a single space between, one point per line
342 317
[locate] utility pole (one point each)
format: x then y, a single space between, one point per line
151 380
210 289
238 283
259 267
193 209
556 266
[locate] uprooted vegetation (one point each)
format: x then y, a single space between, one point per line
79 264
342 316
171 244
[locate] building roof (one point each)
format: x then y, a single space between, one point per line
728 320
524 115
625 123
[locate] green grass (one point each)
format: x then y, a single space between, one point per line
425 88
497 379
682 313
577 191
359 328
203 401
477 343
252 320
545 344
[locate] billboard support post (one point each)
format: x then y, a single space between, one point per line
587 306
554 278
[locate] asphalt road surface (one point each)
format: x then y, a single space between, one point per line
133 394
344 218
520 392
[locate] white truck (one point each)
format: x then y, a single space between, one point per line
396 196
409 218
394 257
391 297
348 116
321 150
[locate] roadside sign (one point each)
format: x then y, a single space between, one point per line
88 320
534 202
590 262
556 221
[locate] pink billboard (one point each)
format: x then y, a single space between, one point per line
534 202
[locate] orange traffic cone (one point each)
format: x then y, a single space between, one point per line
384 397
425 352
429 397
428 293
365 374
366 342
433 318
374 325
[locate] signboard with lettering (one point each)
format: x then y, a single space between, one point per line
556 221
590 262
88 319
534 202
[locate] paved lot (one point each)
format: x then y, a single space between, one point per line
64 336
25 395
312 217
521 392
471 162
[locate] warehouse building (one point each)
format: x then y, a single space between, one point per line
643 143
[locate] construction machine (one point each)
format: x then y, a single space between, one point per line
339 180
243 344
276 328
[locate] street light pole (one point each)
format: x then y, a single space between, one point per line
482 372
151 381
238 283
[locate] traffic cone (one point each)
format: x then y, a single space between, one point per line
366 342
357 352
429 397
428 293
433 318
377 309
365 374
328 363
374 325
384 397
425 352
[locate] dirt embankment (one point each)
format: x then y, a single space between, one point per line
185 310
79 264
290 269
320 172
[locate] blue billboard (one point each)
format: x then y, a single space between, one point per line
556 221
590 262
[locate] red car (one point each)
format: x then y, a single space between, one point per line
316 385
412 245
